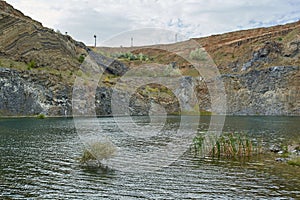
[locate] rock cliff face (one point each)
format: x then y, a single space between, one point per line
271 91
18 97
38 67
28 94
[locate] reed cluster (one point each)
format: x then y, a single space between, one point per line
227 146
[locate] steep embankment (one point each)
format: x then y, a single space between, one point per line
37 66
25 40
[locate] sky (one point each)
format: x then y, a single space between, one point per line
83 19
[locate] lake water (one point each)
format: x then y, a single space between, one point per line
38 160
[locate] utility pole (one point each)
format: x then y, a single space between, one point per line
131 41
176 37
95 39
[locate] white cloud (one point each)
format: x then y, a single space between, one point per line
43 11
193 18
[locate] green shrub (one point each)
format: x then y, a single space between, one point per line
198 54
170 71
81 58
131 57
294 161
31 65
41 116
205 113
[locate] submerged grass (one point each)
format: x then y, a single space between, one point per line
227 146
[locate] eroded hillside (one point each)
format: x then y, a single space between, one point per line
38 66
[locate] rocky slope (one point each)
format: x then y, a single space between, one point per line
259 68
26 40
34 61
38 67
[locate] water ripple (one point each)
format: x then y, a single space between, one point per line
39 162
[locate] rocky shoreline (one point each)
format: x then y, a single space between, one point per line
271 91
289 154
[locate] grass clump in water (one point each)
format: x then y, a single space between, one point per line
227 146
98 151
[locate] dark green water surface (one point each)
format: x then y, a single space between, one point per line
38 160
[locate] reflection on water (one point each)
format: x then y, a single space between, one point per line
38 159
